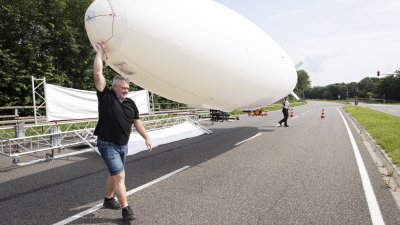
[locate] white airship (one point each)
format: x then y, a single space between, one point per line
197 52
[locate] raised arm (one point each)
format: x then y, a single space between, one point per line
99 80
142 131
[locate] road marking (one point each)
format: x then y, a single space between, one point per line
248 139
373 206
99 206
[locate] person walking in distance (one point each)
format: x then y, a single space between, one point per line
285 111
117 113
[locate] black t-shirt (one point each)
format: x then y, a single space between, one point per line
115 117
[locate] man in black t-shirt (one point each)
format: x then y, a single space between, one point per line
117 113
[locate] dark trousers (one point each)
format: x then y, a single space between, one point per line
285 116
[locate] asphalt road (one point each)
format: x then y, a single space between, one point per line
304 174
387 108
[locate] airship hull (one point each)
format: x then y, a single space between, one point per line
196 52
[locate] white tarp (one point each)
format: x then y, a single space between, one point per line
159 137
73 104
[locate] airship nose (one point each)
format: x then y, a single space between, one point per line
99 20
105 24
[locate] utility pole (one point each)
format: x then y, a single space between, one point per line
356 97
378 73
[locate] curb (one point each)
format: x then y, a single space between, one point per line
389 171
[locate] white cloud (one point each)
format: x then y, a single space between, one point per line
349 58
289 14
338 41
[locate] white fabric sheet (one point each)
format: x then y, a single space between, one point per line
159 137
73 104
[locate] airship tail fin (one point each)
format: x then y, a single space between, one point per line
294 95
297 66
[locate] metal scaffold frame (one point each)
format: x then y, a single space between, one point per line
30 139
34 93
67 134
151 102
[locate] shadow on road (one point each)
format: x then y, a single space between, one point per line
62 191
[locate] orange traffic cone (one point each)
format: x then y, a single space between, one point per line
323 114
291 113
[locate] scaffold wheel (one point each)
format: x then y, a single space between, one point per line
15 160
49 157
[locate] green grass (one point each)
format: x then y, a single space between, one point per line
384 129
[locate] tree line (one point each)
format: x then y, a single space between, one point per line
385 88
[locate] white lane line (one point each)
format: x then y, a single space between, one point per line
157 180
79 215
99 206
373 206
248 139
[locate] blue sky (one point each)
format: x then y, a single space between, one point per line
337 40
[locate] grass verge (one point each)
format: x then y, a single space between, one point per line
384 129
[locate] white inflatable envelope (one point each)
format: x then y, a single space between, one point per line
197 52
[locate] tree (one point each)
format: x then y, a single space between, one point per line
303 82
367 86
315 92
389 87
335 90
42 39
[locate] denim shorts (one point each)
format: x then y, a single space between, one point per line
114 155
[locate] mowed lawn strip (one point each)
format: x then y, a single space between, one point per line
384 129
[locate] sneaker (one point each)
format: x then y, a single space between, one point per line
111 203
286 125
127 214
279 125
